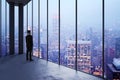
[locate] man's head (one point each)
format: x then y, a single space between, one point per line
28 32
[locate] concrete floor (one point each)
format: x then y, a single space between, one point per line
17 68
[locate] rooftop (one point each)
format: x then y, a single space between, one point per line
79 42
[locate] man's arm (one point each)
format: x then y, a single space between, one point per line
32 42
26 40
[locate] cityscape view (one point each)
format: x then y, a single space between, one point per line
89 33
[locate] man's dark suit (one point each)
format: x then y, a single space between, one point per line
29 45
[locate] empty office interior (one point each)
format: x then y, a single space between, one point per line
79 34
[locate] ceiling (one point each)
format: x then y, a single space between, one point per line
24 2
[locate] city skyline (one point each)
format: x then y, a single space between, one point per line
89 31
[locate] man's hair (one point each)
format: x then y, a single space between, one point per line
28 31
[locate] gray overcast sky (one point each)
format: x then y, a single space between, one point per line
89 12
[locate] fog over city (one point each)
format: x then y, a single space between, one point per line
89 27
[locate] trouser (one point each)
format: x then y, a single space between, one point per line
29 55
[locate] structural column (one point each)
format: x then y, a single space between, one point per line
0 29
11 28
21 33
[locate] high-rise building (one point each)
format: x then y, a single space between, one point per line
54 38
83 55
117 47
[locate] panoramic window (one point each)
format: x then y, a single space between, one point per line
35 27
90 37
25 26
16 13
112 35
43 29
67 34
53 31
7 28
3 28
86 33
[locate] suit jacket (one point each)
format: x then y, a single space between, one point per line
29 42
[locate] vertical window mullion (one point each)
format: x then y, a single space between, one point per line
103 11
6 26
0 25
76 34
32 17
59 29
47 30
38 28
27 16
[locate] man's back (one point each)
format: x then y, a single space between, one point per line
29 42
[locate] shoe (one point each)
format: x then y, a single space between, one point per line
26 59
31 59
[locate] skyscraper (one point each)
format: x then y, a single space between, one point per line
84 55
117 48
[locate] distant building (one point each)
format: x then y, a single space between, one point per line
53 41
83 55
117 47
44 51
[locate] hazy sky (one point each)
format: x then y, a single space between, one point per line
89 13
112 11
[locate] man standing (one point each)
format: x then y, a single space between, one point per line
29 45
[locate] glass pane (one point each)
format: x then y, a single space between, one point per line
90 36
25 26
67 38
53 31
0 30
16 29
35 28
30 15
43 29
3 51
112 36
7 37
